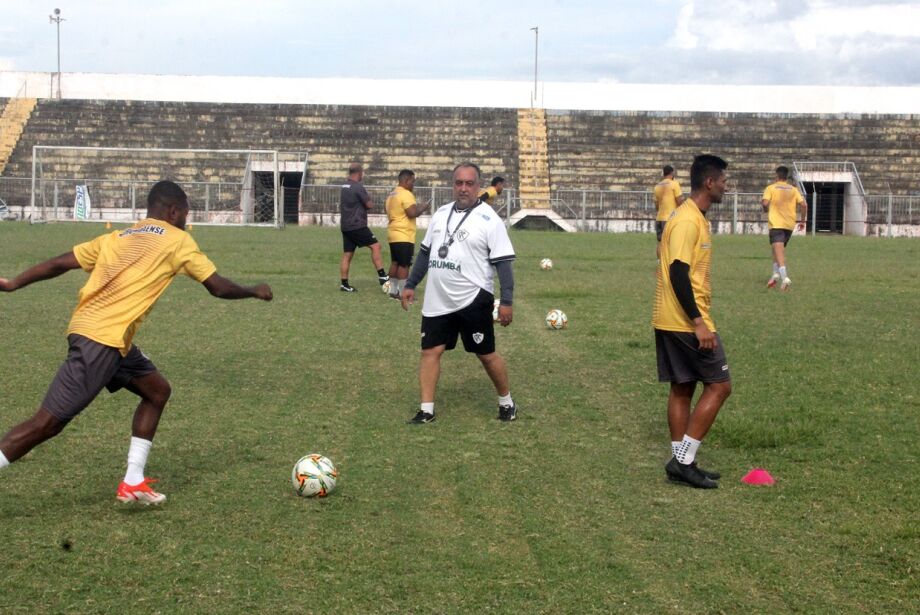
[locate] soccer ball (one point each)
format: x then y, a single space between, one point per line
495 309
313 475
546 264
556 319
385 287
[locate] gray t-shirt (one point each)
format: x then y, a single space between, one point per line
351 205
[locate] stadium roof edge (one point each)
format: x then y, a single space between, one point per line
442 93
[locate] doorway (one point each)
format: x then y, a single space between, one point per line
828 213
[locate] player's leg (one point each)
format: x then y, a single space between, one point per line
774 240
377 259
680 398
429 372
707 408
781 259
344 266
27 435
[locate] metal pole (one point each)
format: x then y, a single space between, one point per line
32 200
536 46
814 212
133 201
279 217
57 19
889 214
734 212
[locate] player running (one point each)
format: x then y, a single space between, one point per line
780 199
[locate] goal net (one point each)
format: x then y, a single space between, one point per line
110 184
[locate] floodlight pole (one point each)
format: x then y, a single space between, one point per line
57 19
536 46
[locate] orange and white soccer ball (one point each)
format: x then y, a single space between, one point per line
556 319
546 264
313 475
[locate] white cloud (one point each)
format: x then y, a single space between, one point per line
7 64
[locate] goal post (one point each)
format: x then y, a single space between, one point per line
232 187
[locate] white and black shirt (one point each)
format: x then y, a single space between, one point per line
480 240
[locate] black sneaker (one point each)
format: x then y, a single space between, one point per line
507 413
422 417
711 475
348 288
688 474
383 279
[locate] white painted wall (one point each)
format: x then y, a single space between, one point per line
558 95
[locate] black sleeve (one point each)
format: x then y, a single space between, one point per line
683 289
506 281
419 269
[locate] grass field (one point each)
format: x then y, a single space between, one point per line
567 510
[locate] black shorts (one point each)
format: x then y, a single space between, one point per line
680 359
401 253
473 323
88 368
659 228
778 235
357 238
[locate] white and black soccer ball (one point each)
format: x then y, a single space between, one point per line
546 264
313 476
385 287
556 319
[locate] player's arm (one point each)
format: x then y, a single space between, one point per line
683 289
506 284
222 288
414 211
51 268
419 269
679 199
804 207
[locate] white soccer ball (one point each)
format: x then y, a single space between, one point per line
546 264
495 309
556 319
385 287
313 475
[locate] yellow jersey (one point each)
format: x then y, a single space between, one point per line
489 195
667 191
686 238
129 270
401 227
782 199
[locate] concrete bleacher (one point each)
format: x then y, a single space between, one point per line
386 139
613 150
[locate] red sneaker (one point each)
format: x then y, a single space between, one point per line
140 492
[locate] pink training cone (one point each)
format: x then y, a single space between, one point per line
758 476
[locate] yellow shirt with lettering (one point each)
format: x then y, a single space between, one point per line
782 199
667 191
401 227
129 270
686 238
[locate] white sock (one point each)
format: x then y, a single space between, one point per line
675 447
505 400
775 268
782 273
428 407
137 459
687 451
401 284
3 460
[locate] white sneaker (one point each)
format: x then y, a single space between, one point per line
786 284
140 492
773 280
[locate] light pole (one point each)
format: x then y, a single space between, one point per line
536 46
56 18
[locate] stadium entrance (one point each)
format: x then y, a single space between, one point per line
264 193
829 200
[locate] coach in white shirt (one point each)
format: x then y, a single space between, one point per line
465 240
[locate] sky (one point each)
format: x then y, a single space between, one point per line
732 42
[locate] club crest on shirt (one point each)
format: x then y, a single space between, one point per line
462 234
478 337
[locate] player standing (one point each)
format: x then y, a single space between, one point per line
668 196
490 194
687 346
353 205
402 210
129 270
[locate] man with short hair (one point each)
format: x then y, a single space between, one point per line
129 270
464 242
668 196
687 346
780 199
354 202
402 210
490 194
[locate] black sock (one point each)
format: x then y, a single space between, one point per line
381 273
344 281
